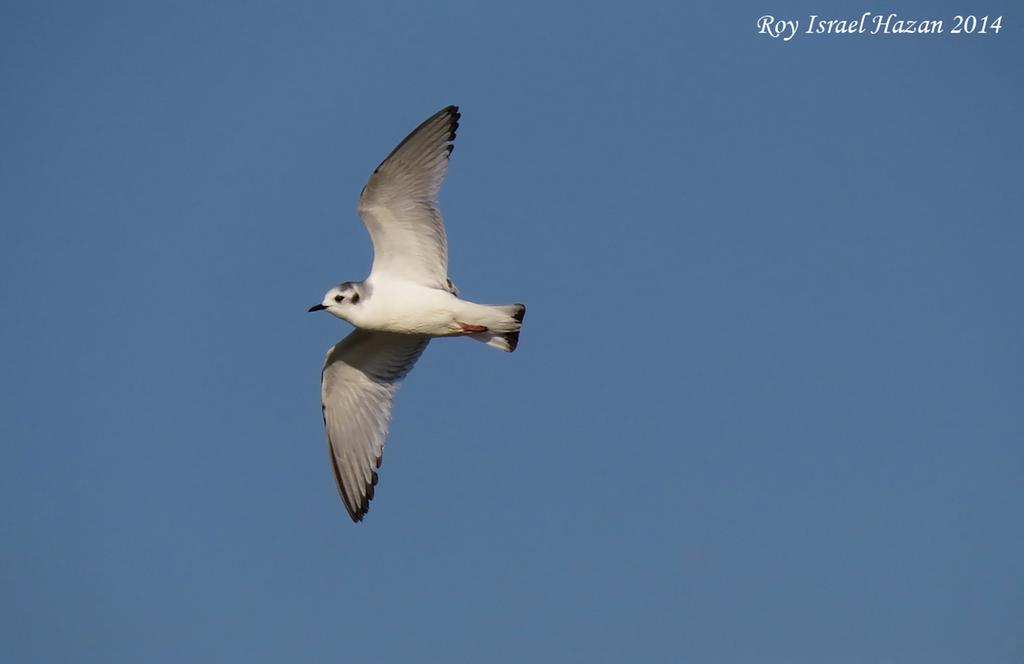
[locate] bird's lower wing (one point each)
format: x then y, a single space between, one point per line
360 376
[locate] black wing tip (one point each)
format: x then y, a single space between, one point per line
355 512
453 125
453 114
453 117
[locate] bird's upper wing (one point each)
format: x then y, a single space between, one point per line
361 374
399 204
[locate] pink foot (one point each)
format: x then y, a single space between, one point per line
471 329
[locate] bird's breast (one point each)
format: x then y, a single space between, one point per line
415 310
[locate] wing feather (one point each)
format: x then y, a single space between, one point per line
399 204
361 374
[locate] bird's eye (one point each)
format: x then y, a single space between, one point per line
339 298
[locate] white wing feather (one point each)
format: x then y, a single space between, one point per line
399 205
360 377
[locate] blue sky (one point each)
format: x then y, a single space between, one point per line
767 401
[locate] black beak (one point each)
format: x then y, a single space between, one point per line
317 307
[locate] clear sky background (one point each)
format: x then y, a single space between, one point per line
767 405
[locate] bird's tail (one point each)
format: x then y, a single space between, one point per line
505 335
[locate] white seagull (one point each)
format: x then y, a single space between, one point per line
407 299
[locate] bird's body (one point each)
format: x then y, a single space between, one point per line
405 307
407 300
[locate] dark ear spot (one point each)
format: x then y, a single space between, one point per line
354 298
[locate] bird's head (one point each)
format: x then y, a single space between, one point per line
339 300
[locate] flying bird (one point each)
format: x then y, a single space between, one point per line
406 301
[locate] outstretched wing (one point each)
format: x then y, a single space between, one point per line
361 374
399 204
